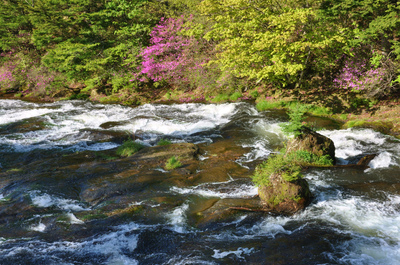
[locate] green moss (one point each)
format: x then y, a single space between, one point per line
173 163
164 142
220 98
383 127
82 96
354 123
14 170
105 156
130 210
109 99
265 105
128 148
93 216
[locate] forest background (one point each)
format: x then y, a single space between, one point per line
342 56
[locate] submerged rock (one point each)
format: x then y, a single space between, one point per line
163 152
227 210
365 160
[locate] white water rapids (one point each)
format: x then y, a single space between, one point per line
353 219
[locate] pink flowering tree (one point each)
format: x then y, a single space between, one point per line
172 56
25 74
372 78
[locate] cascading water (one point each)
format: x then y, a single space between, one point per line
354 217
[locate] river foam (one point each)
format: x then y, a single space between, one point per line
227 189
45 200
108 248
351 143
62 123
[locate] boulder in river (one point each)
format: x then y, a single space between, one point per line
312 142
285 197
280 182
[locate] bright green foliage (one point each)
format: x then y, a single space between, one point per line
237 45
275 164
91 41
235 96
296 118
266 104
173 163
129 148
374 22
267 40
375 38
220 98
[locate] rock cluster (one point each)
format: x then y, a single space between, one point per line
287 197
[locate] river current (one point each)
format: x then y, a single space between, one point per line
354 217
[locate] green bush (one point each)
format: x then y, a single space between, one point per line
295 124
128 148
235 96
254 94
220 98
173 163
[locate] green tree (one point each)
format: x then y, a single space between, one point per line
91 41
273 41
374 22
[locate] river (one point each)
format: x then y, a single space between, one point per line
354 217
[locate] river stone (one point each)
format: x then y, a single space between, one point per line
284 197
312 142
226 210
163 152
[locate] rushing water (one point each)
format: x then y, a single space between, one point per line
354 217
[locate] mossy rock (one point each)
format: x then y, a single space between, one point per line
380 126
312 142
285 197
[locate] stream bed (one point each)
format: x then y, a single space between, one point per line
66 198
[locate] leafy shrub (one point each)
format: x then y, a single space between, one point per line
173 163
295 124
128 148
304 158
164 142
254 94
374 78
235 96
